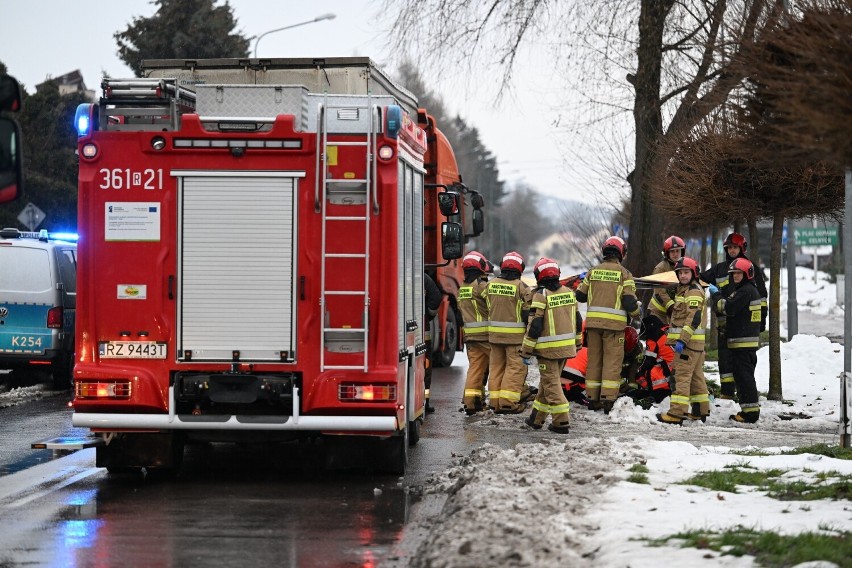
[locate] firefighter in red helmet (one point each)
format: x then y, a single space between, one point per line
661 301
610 292
551 335
508 299
735 246
474 310
690 397
742 307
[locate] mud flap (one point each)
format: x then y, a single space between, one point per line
152 451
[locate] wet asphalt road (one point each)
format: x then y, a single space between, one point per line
229 505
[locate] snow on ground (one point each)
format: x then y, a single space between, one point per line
566 501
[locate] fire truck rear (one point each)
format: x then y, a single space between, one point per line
251 259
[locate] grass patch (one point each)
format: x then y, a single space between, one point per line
638 478
822 450
770 548
639 468
828 485
711 355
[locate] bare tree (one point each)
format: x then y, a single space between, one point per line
668 62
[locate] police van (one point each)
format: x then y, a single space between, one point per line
38 297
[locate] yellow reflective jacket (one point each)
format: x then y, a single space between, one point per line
474 309
551 332
689 318
606 285
507 301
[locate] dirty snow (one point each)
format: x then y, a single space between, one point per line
566 501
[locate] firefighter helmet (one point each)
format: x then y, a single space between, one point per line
614 245
513 261
545 268
673 243
687 263
631 338
474 260
735 240
743 265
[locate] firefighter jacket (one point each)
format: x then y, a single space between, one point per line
743 308
661 301
719 276
611 295
551 333
474 309
508 301
688 318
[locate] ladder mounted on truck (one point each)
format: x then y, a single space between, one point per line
144 104
360 196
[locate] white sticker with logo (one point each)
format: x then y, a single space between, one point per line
132 291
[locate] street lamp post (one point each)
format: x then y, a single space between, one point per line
317 19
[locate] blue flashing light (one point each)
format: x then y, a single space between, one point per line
82 120
68 237
394 120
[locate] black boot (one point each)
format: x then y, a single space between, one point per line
429 408
530 420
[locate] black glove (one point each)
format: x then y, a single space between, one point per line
647 365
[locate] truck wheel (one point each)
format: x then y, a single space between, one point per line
451 337
62 370
395 450
414 432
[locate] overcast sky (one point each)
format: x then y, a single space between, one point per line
43 38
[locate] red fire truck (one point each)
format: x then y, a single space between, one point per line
251 257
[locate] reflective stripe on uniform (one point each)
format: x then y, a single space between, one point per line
507 327
742 342
551 408
477 324
468 393
560 340
608 384
726 378
699 397
750 406
606 313
511 396
680 399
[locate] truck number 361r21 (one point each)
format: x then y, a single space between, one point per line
126 178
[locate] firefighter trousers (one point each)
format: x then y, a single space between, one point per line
744 361
550 398
478 358
506 376
606 353
690 386
726 368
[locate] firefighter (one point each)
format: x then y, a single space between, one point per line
611 295
574 371
430 305
661 300
652 378
508 299
551 337
474 310
743 305
735 246
690 397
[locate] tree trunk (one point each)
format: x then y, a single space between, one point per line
775 310
646 228
754 244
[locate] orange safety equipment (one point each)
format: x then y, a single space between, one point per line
614 245
672 243
475 260
687 263
736 240
513 261
545 268
744 265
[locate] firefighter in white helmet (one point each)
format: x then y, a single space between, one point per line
550 336
508 299
610 292
474 310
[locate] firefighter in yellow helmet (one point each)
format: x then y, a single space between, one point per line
690 398
661 302
551 337
474 312
610 293
508 299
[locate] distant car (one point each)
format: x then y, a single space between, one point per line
38 300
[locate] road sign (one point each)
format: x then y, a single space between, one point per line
31 217
816 236
820 250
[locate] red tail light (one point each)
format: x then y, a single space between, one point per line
54 318
117 388
367 393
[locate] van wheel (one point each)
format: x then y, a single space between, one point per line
62 370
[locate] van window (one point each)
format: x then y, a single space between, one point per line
67 269
24 270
